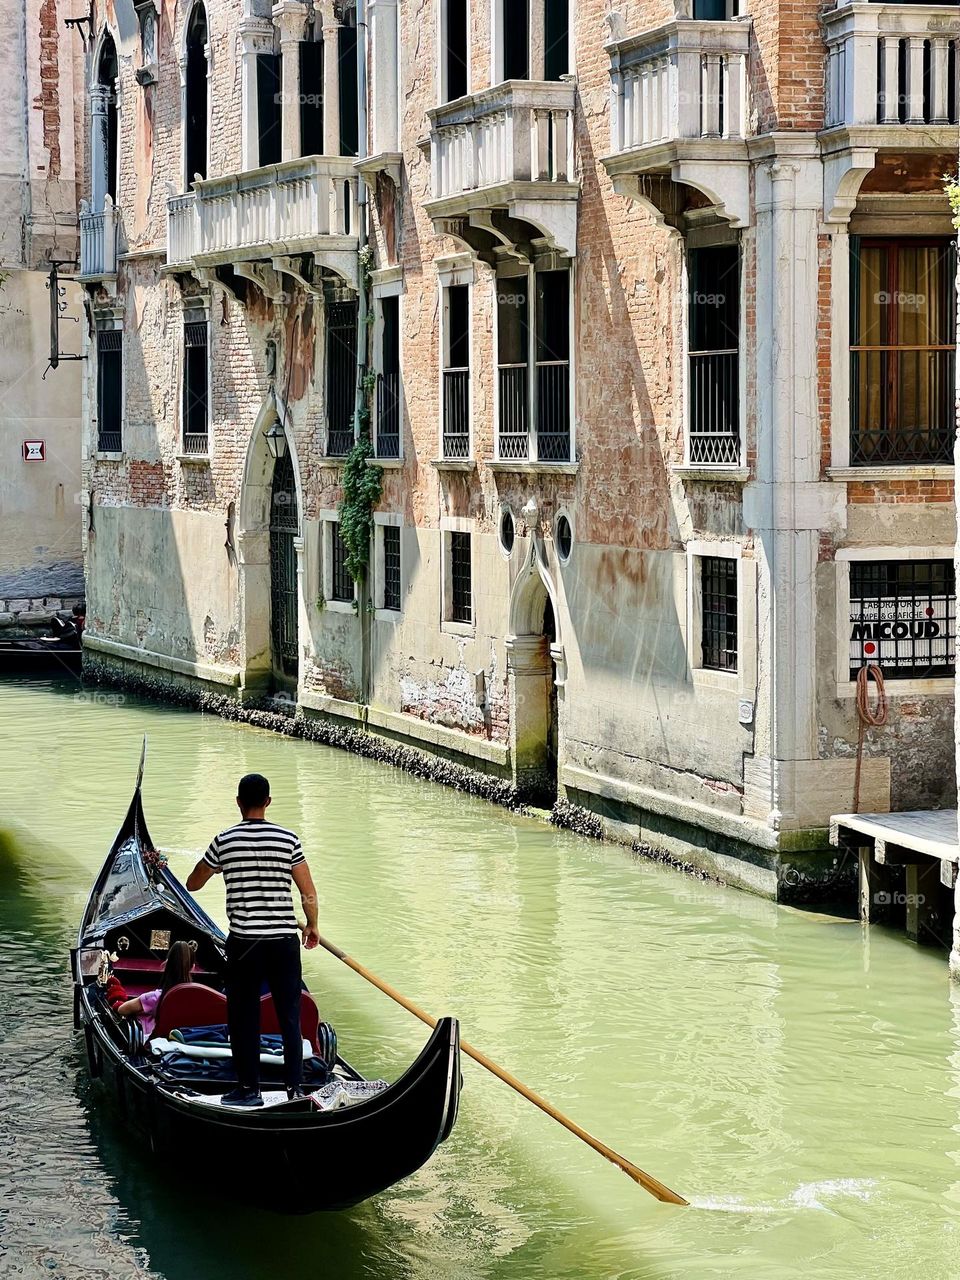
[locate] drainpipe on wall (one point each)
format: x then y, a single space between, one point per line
363 334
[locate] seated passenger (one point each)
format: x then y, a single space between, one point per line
177 969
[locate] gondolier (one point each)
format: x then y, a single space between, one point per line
260 862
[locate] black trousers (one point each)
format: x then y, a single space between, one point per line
250 963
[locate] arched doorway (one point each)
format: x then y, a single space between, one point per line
284 594
534 664
195 105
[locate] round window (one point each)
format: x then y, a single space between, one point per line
507 531
564 538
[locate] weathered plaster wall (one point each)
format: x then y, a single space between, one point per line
40 513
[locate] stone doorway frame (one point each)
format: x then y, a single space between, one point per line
533 667
253 549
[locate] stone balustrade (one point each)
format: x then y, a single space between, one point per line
98 241
519 131
891 64
686 80
300 206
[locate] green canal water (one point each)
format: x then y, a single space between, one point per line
796 1078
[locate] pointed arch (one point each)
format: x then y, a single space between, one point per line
195 73
253 543
532 588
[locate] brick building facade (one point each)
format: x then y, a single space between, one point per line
653 314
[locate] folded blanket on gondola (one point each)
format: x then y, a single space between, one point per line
271 1048
177 1066
346 1093
212 1036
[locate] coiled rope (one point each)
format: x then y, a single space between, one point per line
873 717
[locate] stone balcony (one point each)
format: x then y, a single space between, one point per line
502 168
891 84
261 223
98 242
679 111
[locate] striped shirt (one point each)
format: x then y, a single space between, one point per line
257 860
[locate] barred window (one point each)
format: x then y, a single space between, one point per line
342 582
195 386
391 567
461 598
714 354
903 617
109 390
718 584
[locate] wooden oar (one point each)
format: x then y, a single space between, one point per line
645 1180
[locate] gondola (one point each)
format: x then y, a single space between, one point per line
37 655
288 1156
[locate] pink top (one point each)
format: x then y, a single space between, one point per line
148 1003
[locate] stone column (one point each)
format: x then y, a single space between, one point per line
530 675
99 149
787 506
331 88
256 36
290 17
385 124
536 58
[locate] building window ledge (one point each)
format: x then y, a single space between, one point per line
526 467
711 475
454 464
919 471
106 455
387 464
935 687
463 629
202 459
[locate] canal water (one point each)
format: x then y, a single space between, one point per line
796 1078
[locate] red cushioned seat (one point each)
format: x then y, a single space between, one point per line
191 1004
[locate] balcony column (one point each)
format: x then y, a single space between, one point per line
914 85
331 87
939 80
289 17
99 150
382 15
536 67
256 36
860 71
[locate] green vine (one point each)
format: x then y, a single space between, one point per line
951 185
362 487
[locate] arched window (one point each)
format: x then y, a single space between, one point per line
195 105
105 125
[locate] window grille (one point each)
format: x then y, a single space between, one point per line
903 617
342 582
391 567
195 387
341 376
714 355
902 352
109 390
718 582
461 603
